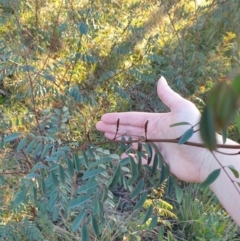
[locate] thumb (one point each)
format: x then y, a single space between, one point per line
167 95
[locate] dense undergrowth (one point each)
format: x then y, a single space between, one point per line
65 63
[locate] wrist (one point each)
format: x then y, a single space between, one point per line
222 158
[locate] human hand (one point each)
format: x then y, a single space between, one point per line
186 162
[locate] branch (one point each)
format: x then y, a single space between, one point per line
188 143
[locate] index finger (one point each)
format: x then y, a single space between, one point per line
137 119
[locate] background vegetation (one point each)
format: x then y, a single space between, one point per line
65 63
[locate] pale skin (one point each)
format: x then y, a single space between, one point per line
188 163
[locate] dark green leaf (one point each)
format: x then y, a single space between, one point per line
27 68
180 124
85 233
101 161
77 221
207 128
77 162
179 192
222 102
104 194
115 178
83 28
61 173
124 161
54 179
148 214
163 174
99 207
93 172
95 226
139 160
43 186
141 201
224 135
55 214
186 136
236 85
11 137
138 189
49 77
148 149
30 146
211 178
237 120
153 222
85 158
78 201
34 189
45 150
2 181
52 201
20 197
134 171
87 186
161 233
155 164
37 149
70 167
21 144
170 185
234 171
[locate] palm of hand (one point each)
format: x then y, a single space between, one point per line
185 162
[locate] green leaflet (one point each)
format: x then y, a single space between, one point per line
104 194
77 162
169 185
54 179
37 149
153 222
141 201
179 192
77 221
20 197
11 137
134 171
78 201
138 189
207 128
55 213
61 173
115 178
70 167
180 124
161 233
95 226
155 163
163 173
87 186
93 172
148 214
83 28
234 171
85 233
186 136
22 143
30 146
211 178
101 161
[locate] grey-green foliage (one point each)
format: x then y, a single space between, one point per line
75 185
65 68
21 231
208 222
